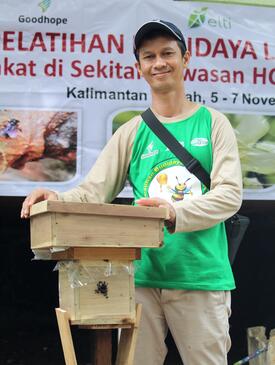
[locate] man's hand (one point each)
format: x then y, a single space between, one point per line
34 197
158 202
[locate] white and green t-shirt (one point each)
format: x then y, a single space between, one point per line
195 260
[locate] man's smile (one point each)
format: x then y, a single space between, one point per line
160 73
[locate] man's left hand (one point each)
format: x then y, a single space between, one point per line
161 203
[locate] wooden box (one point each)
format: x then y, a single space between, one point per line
63 224
89 238
97 292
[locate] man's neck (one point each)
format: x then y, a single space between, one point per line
171 104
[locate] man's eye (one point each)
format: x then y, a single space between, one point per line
148 57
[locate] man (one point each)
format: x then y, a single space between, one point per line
184 285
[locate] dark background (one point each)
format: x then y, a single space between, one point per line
29 292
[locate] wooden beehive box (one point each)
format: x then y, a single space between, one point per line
98 292
90 239
64 224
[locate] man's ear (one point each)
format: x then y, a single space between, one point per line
186 59
139 69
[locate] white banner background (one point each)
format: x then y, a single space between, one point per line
232 69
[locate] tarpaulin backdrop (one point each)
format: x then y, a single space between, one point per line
69 79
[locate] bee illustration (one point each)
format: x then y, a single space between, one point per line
180 190
10 128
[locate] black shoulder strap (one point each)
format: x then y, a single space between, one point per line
192 164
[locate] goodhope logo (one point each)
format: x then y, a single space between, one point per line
44 5
197 18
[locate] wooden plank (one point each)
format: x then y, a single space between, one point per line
127 343
271 348
93 231
98 209
98 253
67 299
66 336
256 339
101 347
105 326
108 232
41 231
105 321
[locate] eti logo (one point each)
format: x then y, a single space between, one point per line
199 17
44 5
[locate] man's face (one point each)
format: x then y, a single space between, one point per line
161 63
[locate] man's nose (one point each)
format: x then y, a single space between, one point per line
159 62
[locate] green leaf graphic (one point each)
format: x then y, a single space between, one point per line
197 18
44 5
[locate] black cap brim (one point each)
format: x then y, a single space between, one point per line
151 26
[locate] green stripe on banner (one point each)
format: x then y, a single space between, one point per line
268 3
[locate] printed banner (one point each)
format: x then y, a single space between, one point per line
69 79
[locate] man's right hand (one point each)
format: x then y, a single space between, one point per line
34 197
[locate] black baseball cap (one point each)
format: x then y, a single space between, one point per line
157 24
